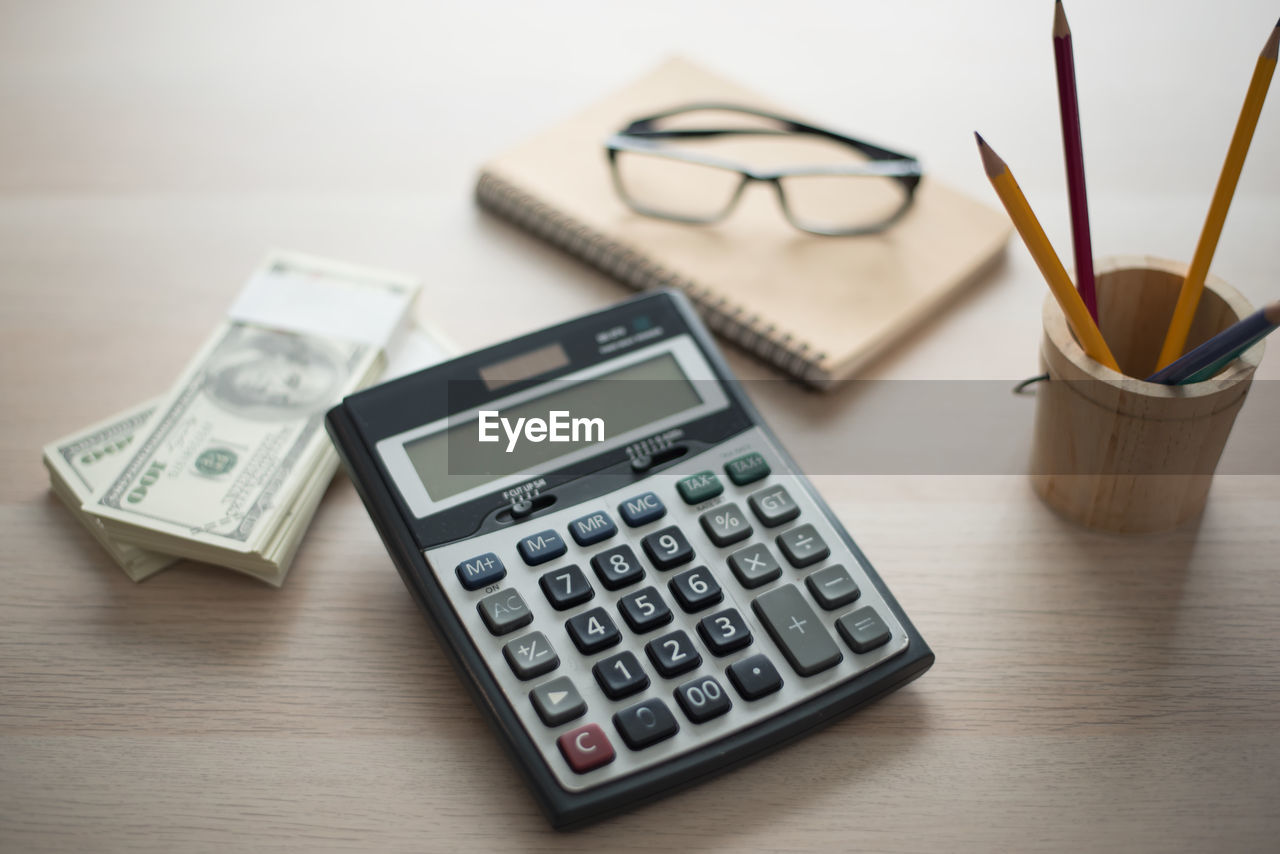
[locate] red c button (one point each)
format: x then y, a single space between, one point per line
586 748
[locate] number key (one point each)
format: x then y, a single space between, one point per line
696 589
566 587
592 631
647 722
673 654
724 632
617 567
644 610
620 675
667 548
703 699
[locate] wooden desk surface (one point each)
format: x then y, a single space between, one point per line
1091 692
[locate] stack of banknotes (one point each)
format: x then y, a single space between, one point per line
229 466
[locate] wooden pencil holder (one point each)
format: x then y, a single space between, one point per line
1119 454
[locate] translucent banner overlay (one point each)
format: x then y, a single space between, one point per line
882 427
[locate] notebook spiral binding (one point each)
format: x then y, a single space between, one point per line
631 268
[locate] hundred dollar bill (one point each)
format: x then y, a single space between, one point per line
84 461
238 447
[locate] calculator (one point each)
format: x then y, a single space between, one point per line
628 571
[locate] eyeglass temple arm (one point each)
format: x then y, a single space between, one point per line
644 128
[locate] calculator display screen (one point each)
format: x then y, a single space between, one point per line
454 460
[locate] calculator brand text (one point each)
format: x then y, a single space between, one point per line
558 426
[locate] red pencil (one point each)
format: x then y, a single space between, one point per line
1073 150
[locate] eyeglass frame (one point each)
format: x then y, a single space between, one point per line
641 137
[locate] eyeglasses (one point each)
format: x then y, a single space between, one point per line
661 168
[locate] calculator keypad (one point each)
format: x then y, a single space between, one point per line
611 674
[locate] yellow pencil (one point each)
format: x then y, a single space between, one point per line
1046 259
1175 339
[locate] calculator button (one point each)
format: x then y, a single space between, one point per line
620 675
863 630
617 567
541 547
531 656
754 566
566 587
700 487
773 506
726 525
644 610
696 589
481 571
802 546
833 587
747 468
558 702
673 653
646 723
795 628
504 612
642 509
754 677
592 631
586 748
667 548
724 632
703 699
593 528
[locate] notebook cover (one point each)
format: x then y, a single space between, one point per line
817 307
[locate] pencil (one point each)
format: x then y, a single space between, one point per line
1214 355
1046 259
1193 285
1073 154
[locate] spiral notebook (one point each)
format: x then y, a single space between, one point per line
817 308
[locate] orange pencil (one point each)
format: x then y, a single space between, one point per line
1175 340
1046 259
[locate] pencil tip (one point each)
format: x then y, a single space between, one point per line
1272 313
991 162
1061 29
1272 47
